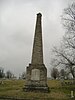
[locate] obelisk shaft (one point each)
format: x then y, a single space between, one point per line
37 54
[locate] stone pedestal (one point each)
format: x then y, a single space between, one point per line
36 79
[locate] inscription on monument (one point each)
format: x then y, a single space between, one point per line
35 74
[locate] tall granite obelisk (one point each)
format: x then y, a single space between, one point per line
36 73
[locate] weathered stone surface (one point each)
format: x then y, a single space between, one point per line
36 76
37 54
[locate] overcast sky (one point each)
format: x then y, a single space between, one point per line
17 26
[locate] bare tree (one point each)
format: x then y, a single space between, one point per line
62 73
1 72
64 58
9 74
64 55
69 18
54 73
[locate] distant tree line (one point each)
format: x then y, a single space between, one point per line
8 74
62 74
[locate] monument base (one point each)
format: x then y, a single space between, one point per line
36 78
34 88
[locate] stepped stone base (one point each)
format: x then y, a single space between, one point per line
36 78
33 88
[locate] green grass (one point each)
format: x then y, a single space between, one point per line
13 88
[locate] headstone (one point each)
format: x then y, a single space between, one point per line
72 94
36 72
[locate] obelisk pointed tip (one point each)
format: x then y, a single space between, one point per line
39 14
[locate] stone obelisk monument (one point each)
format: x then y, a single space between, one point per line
36 73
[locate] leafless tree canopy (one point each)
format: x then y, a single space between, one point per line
64 55
68 18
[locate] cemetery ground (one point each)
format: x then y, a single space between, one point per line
12 89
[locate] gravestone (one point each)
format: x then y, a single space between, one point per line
72 94
36 72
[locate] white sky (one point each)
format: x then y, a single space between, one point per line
17 25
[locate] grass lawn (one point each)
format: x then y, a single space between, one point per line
13 88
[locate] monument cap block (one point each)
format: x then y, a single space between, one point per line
39 14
